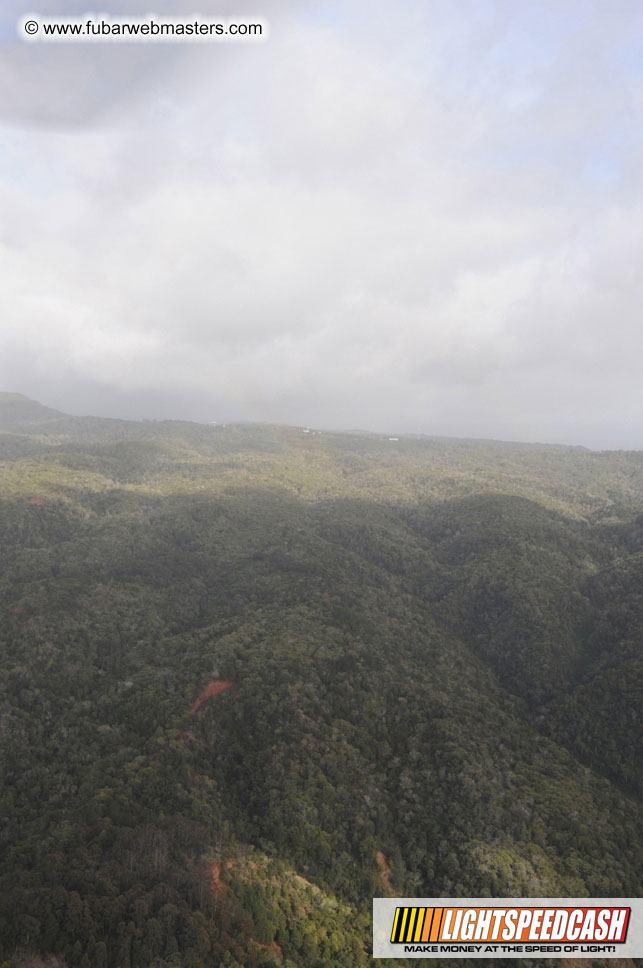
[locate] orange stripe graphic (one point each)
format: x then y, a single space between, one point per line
428 920
438 917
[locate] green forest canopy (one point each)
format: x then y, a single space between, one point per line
424 664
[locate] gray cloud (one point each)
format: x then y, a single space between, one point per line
397 216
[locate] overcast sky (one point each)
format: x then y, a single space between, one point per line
408 215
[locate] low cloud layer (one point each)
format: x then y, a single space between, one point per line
410 217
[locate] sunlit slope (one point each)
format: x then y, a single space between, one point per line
178 457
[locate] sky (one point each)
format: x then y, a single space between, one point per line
419 216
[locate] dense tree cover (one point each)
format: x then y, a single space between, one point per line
429 658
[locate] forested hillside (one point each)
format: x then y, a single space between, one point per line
253 676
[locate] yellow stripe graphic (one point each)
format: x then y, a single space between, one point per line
410 926
396 919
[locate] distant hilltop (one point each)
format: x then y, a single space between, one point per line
20 414
16 409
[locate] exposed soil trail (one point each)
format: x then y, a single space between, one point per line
214 870
214 688
273 948
385 871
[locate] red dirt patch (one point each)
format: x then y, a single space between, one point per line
36 501
188 734
17 609
273 948
214 688
214 870
385 871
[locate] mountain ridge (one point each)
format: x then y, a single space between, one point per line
152 424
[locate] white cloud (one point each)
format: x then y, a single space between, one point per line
432 228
